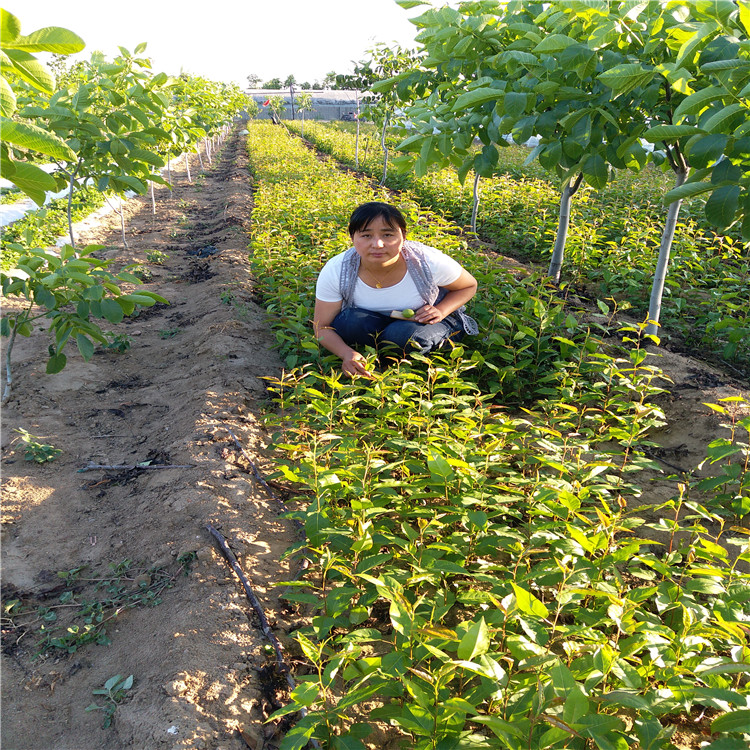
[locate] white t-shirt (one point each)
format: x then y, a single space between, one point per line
401 296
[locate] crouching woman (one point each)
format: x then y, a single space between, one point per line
361 293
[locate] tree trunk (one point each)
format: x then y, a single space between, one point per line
70 212
8 376
187 168
356 140
662 264
200 157
70 202
558 253
153 200
122 222
475 209
385 151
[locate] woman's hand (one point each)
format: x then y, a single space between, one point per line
428 314
354 365
459 293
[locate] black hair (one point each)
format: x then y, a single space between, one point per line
364 214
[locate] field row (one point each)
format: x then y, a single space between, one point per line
483 572
612 244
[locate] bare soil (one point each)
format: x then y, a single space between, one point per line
191 382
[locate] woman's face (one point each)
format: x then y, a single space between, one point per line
378 244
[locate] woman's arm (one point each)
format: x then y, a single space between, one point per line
460 292
352 362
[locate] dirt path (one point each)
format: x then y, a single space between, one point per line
194 369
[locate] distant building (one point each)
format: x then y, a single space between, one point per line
328 104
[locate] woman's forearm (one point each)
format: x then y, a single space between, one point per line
328 338
455 299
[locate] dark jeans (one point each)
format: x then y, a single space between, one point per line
360 327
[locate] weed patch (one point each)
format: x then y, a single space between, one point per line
85 607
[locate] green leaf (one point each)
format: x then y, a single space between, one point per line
702 36
705 149
486 667
506 730
670 132
554 43
476 641
704 586
143 300
728 667
439 467
688 190
625 77
697 101
299 735
360 694
10 27
721 448
400 618
722 65
626 699
736 721
474 98
83 278
576 703
28 136
305 694
132 183
85 346
721 207
56 363
595 171
111 310
7 99
347 742
53 39
111 682
721 120
650 733
141 154
519 56
514 104
603 730
32 180
744 16
32 71
528 603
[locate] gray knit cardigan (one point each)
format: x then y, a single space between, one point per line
419 269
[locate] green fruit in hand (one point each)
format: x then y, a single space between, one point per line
408 313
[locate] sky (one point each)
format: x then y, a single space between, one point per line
227 41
